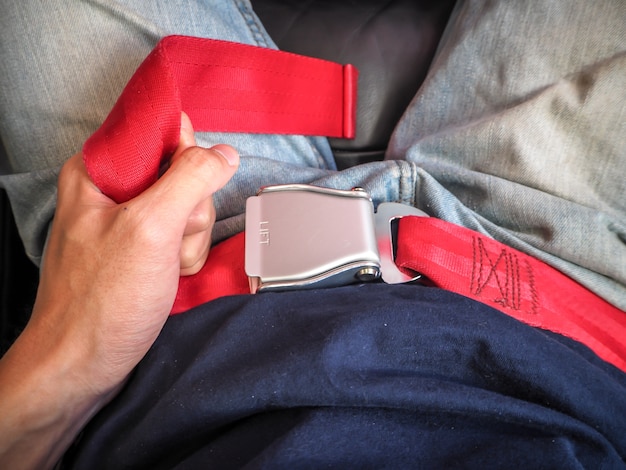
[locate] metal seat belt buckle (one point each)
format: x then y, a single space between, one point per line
301 236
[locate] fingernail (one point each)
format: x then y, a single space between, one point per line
229 153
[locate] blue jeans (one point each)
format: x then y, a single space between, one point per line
518 132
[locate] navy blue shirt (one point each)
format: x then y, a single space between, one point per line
369 376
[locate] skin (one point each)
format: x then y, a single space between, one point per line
108 282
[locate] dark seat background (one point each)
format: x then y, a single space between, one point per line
18 275
391 42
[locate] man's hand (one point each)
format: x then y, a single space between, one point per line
109 278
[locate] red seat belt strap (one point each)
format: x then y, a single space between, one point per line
223 87
223 274
525 288
468 263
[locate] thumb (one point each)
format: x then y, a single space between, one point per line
195 175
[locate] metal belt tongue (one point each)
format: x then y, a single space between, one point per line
301 236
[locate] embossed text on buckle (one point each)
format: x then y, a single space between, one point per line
301 236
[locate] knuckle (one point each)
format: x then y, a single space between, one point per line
206 164
142 229
201 220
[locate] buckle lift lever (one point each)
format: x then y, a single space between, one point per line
302 236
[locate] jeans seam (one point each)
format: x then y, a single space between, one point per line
258 31
406 178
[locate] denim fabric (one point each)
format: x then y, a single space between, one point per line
65 63
523 120
518 132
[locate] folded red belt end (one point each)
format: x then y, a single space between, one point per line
223 87
350 80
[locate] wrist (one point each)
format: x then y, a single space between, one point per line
46 399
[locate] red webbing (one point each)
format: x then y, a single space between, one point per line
223 274
223 87
468 263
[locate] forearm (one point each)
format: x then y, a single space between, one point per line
108 282
45 401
